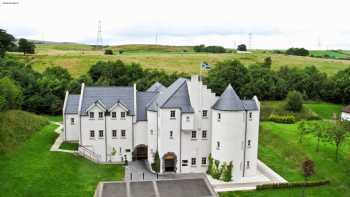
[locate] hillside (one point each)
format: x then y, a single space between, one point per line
16 127
78 58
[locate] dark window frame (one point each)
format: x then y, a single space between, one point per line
114 114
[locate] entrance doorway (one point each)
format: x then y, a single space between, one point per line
169 162
140 152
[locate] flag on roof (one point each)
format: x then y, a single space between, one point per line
205 65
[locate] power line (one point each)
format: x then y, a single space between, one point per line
250 35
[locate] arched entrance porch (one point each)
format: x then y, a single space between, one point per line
140 152
169 162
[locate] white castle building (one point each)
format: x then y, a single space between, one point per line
185 123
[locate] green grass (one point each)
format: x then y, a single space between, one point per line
35 171
325 110
78 58
336 54
16 127
54 118
69 146
279 149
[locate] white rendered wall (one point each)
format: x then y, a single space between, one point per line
167 144
229 131
95 144
252 150
140 133
345 116
187 121
151 135
119 143
72 130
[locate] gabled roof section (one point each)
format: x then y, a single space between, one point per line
143 100
72 104
156 87
250 105
109 96
229 101
175 96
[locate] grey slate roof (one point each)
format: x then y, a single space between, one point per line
175 96
229 101
72 104
143 100
108 96
156 87
250 105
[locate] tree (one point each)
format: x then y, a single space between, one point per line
342 84
199 48
304 128
337 133
298 52
242 47
308 170
26 46
227 72
267 62
6 42
294 101
156 164
108 52
210 165
318 130
10 93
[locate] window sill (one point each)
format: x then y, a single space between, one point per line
114 118
114 138
92 138
193 166
219 120
123 138
204 117
100 138
172 118
204 165
100 118
204 138
194 139
122 118
91 118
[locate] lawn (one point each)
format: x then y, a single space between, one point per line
32 170
69 146
54 118
170 58
279 149
325 110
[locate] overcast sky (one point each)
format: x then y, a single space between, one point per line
273 23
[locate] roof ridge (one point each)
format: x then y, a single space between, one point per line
166 101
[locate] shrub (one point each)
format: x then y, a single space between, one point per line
242 47
108 52
298 52
216 171
294 101
227 172
156 164
292 184
287 119
210 165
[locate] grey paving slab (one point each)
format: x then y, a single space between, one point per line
114 190
184 187
142 189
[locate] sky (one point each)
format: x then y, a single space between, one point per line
273 24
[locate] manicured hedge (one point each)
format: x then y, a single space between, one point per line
287 119
292 184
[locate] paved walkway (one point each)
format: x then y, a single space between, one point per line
59 140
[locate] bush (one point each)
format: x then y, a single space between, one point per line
108 52
292 185
227 172
298 52
242 47
294 101
209 49
156 164
287 119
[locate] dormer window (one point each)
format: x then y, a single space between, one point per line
92 115
250 115
72 121
187 118
100 114
172 114
114 114
122 115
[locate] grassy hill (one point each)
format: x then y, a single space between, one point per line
78 58
16 127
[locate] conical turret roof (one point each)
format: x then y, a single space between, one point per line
229 101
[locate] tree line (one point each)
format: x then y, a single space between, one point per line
268 84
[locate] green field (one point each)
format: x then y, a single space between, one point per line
32 170
335 54
325 110
78 58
